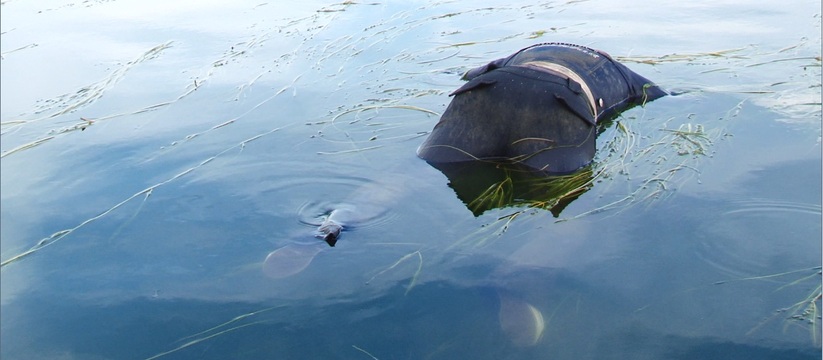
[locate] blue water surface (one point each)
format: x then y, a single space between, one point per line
155 153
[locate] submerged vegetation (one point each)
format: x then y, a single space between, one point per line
805 313
654 164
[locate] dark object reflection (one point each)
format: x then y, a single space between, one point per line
483 186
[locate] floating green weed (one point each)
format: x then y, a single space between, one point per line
661 159
687 57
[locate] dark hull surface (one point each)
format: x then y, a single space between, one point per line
538 108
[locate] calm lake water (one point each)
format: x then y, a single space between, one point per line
155 153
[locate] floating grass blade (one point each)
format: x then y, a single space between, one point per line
413 280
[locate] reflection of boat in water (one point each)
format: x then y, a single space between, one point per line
484 186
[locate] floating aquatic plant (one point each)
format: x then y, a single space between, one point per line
215 331
526 194
805 313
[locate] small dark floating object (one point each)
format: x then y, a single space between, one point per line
329 231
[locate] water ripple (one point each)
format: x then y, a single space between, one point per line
761 236
770 206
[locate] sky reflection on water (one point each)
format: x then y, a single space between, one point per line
178 144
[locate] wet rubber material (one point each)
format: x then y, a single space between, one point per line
538 108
